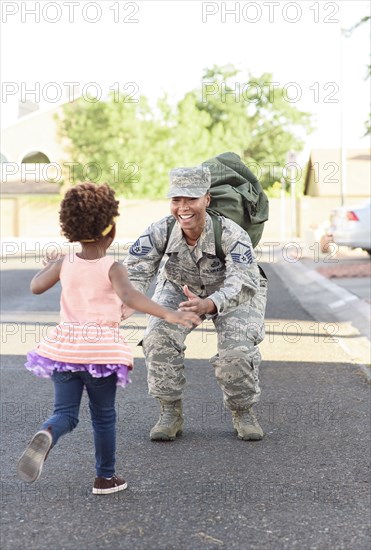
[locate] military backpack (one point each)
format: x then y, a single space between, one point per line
235 194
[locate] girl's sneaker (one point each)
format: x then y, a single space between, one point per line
32 460
104 486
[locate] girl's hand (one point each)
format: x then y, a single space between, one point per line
51 258
187 319
48 276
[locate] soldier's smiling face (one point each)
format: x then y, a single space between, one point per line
190 212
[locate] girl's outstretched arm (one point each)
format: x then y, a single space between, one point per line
140 302
47 277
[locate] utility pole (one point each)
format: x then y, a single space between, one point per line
343 152
292 173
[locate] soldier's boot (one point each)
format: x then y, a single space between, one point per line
170 423
246 425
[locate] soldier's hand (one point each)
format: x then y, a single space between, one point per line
201 306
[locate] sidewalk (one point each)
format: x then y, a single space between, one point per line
349 269
342 302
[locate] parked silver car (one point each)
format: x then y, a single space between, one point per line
351 226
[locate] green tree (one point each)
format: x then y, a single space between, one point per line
253 117
108 140
133 146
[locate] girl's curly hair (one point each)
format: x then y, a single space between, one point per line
86 210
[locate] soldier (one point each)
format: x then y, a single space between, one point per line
232 293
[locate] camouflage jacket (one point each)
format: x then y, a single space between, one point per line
227 284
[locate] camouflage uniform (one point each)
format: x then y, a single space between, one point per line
238 290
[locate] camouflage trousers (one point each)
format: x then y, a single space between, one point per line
239 331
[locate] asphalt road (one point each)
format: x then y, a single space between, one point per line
304 486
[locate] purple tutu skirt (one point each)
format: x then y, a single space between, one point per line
43 367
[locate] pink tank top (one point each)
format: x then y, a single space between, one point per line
90 316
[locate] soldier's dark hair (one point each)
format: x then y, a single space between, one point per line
86 210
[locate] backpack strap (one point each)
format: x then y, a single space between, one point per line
217 225
170 226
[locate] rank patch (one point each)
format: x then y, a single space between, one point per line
242 254
142 246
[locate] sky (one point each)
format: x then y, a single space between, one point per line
149 47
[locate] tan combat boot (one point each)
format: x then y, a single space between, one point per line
170 423
246 425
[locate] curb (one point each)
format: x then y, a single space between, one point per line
327 302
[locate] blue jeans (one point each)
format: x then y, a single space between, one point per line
68 388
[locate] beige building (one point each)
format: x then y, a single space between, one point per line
324 188
32 154
324 175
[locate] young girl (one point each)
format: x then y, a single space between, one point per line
85 349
